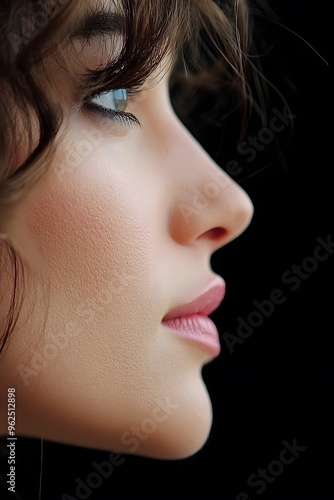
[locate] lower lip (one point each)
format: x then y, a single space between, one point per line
199 329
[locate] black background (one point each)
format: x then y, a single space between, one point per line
276 385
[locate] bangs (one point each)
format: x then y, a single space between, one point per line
145 33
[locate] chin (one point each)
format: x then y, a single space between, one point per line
182 435
173 423
184 442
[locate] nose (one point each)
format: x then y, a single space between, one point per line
207 206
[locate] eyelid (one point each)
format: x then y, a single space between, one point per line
131 90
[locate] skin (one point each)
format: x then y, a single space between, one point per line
105 237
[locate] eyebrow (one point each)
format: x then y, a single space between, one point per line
99 23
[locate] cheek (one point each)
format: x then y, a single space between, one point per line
90 228
92 236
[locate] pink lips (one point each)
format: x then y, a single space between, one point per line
190 320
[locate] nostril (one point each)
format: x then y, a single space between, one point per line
217 233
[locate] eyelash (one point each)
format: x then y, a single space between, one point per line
123 117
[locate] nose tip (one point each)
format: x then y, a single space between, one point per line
241 215
233 216
217 210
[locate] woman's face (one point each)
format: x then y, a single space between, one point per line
118 232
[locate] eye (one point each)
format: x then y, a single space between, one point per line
112 104
112 100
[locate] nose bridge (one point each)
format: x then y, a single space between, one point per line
207 202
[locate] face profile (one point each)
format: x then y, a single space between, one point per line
116 237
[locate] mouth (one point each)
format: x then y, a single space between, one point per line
190 320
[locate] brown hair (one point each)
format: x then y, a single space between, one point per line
31 32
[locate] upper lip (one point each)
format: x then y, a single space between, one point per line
204 304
